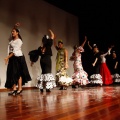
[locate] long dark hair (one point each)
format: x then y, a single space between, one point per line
17 30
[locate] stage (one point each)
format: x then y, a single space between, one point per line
86 103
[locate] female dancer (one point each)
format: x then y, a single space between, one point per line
46 79
104 71
114 63
79 77
96 78
61 66
17 70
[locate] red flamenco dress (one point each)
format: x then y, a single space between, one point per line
104 71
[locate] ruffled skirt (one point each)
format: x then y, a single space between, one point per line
80 77
17 68
116 78
96 79
63 79
46 81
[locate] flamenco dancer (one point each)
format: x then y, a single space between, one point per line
96 78
114 66
80 77
17 70
104 71
62 77
46 79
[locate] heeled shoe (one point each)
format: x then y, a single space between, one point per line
41 90
61 88
48 90
13 92
18 92
73 86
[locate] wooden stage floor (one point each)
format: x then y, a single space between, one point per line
89 103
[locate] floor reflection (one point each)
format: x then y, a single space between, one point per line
33 100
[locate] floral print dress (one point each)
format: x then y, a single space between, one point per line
61 73
79 76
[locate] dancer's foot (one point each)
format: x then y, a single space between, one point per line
61 88
13 92
41 90
18 92
73 86
48 90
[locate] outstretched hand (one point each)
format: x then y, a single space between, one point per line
85 38
6 61
49 30
52 34
17 24
109 48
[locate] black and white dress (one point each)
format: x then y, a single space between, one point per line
96 78
114 72
46 65
17 66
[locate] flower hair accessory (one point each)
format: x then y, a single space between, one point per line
94 45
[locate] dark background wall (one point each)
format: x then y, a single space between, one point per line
99 20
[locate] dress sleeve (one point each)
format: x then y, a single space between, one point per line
33 55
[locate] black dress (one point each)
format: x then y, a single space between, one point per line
114 72
96 78
45 64
111 65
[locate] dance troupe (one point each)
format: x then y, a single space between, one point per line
17 71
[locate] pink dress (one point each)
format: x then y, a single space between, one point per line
79 76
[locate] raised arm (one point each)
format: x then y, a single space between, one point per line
107 53
84 41
52 36
89 45
55 44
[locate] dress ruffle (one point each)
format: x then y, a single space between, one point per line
63 78
48 79
80 77
96 79
116 78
